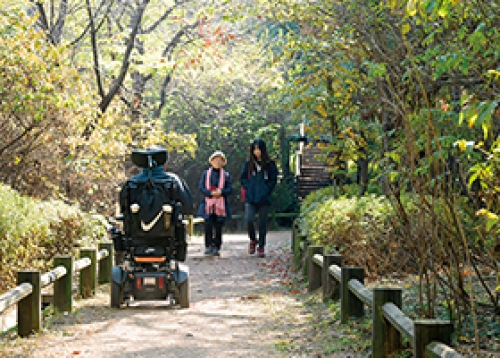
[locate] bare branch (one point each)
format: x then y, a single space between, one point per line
177 38
56 29
159 20
94 50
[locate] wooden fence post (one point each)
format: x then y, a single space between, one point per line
29 316
303 254
297 251
274 223
331 288
63 287
386 339
88 277
350 304
106 264
191 226
314 270
294 235
428 330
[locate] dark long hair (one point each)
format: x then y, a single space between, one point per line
264 158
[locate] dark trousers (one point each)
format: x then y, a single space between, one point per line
250 211
211 225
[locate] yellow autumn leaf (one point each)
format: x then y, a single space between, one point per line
472 120
321 110
406 28
492 216
411 8
462 144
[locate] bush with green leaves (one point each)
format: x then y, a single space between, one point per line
285 199
361 229
32 232
389 236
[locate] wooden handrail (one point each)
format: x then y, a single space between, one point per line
191 220
361 291
52 276
15 295
398 319
335 271
318 260
429 337
27 294
438 350
102 254
81 264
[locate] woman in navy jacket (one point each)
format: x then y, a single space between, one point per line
258 176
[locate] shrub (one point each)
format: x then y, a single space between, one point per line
32 232
285 200
361 229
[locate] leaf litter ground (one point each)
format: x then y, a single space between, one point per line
241 306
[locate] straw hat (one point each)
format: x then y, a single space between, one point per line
217 153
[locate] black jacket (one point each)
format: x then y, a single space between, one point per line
259 185
182 194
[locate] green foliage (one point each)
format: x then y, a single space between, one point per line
363 229
225 100
285 196
285 200
330 219
48 100
488 174
32 232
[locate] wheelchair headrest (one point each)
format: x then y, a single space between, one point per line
149 158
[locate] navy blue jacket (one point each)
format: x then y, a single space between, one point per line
214 181
259 185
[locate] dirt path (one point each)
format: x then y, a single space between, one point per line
233 302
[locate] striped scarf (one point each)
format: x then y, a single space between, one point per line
215 206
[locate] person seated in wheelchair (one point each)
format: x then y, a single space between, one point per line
152 240
152 205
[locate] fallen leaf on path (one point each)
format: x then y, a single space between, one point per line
253 296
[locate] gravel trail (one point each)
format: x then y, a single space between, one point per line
233 300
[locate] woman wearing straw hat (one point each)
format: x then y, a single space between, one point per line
215 185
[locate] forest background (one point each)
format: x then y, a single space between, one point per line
405 92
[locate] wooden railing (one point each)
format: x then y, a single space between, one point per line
95 267
191 221
429 337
